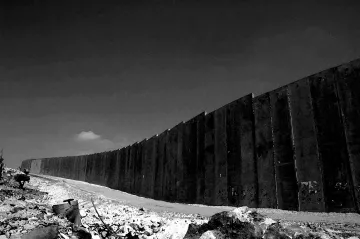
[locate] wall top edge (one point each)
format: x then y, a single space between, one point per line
331 70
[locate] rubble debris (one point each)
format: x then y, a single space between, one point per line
50 232
73 214
247 223
22 178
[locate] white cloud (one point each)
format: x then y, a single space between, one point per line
85 136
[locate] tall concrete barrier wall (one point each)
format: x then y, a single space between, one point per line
294 148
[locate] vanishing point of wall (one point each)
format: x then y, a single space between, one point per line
294 148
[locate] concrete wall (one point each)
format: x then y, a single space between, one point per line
295 148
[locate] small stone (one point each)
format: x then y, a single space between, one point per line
212 234
29 227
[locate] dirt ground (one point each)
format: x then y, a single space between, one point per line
132 216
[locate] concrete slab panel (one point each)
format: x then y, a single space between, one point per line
69 170
71 167
167 168
171 166
220 165
127 169
35 166
62 167
144 168
287 189
181 169
106 158
249 186
122 169
94 169
82 168
138 169
54 165
159 171
309 174
26 164
331 143
200 157
151 146
209 160
75 170
264 152
113 174
234 152
51 168
189 154
133 153
43 166
58 166
348 84
89 168
102 168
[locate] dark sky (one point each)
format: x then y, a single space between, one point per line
79 76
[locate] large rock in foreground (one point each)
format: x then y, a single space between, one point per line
239 223
245 224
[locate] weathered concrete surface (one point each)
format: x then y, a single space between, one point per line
138 169
90 168
151 146
44 169
82 167
61 167
35 166
167 168
220 165
95 170
55 164
145 168
189 141
309 174
70 164
180 167
234 152
102 180
133 153
122 169
159 171
331 142
26 164
200 156
127 178
287 189
74 167
172 155
310 125
248 191
143 188
209 160
105 162
67 167
264 152
114 164
348 84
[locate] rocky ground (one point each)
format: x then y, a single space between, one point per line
28 213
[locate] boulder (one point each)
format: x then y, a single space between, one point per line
238 223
